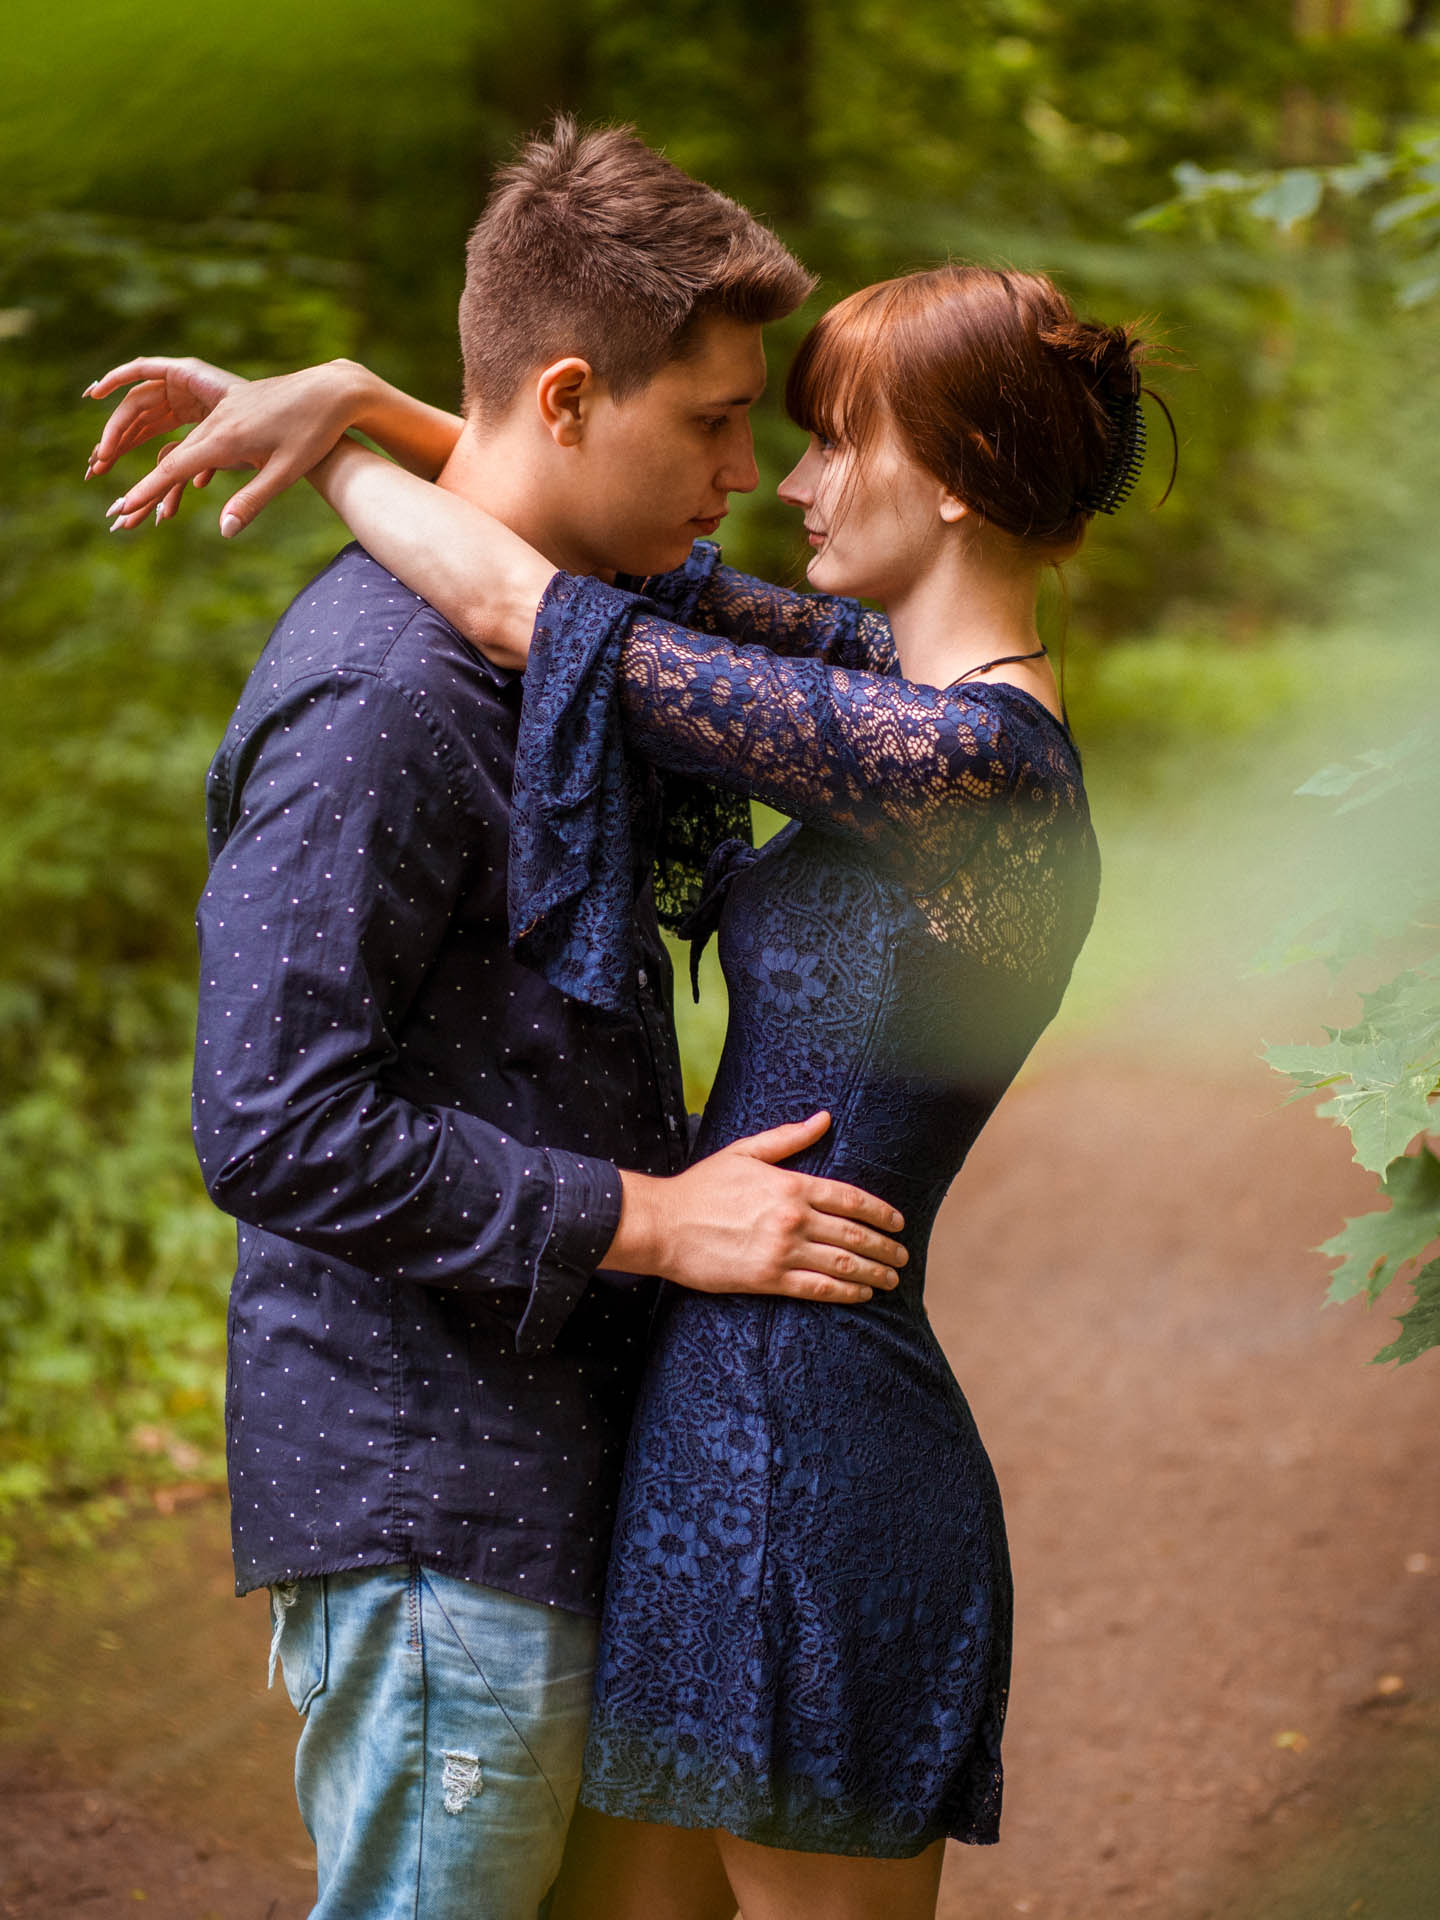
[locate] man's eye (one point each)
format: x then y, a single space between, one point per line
715 422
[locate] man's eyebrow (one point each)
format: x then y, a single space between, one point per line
740 400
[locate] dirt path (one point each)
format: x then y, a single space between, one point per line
1225 1527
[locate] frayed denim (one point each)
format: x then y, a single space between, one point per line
440 1757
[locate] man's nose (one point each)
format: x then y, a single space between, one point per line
740 473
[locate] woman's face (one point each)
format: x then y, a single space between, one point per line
873 518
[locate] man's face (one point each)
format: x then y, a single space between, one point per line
655 470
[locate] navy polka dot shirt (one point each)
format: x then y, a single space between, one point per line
418 1136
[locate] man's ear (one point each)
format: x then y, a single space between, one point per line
564 393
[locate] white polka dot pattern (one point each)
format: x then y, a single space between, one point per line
418 1136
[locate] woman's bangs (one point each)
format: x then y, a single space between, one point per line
830 390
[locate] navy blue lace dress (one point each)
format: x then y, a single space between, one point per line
806 1636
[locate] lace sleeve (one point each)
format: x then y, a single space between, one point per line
820 626
850 753
930 775
707 594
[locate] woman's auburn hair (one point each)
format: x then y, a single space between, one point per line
995 384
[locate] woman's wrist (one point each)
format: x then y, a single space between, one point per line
346 458
419 436
364 396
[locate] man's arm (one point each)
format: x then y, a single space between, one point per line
327 901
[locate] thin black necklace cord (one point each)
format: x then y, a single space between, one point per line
1005 660
1010 660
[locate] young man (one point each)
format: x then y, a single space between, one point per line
447 1173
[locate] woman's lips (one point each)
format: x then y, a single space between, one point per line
815 539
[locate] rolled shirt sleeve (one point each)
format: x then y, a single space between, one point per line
334 876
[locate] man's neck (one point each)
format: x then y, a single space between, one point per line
503 472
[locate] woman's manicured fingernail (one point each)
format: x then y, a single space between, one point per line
230 525
115 506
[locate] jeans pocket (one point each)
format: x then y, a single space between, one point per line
300 1637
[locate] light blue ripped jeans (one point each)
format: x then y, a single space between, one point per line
440 1757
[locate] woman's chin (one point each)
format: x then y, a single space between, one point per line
825 576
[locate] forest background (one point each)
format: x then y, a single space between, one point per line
282 183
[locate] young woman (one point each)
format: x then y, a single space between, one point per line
806 1643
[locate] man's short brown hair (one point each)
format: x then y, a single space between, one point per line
592 243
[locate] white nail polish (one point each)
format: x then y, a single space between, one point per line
229 525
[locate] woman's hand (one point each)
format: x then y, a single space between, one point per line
281 426
168 394
480 574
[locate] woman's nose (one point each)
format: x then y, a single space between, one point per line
795 489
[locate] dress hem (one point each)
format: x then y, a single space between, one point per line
761 1832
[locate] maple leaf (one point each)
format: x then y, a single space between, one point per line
1373 1247
1420 1327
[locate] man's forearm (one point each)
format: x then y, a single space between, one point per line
334 879
641 1243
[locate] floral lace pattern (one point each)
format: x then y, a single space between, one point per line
571 861
806 1638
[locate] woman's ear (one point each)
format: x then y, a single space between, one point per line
563 393
951 509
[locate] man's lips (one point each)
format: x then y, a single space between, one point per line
708 522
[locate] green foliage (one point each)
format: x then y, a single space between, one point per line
1399 190
1374 1247
1420 1327
122 660
1383 1072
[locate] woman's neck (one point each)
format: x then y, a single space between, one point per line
973 605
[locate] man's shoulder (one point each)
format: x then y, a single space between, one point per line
356 622
354 615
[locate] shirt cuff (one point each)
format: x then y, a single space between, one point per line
583 1217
